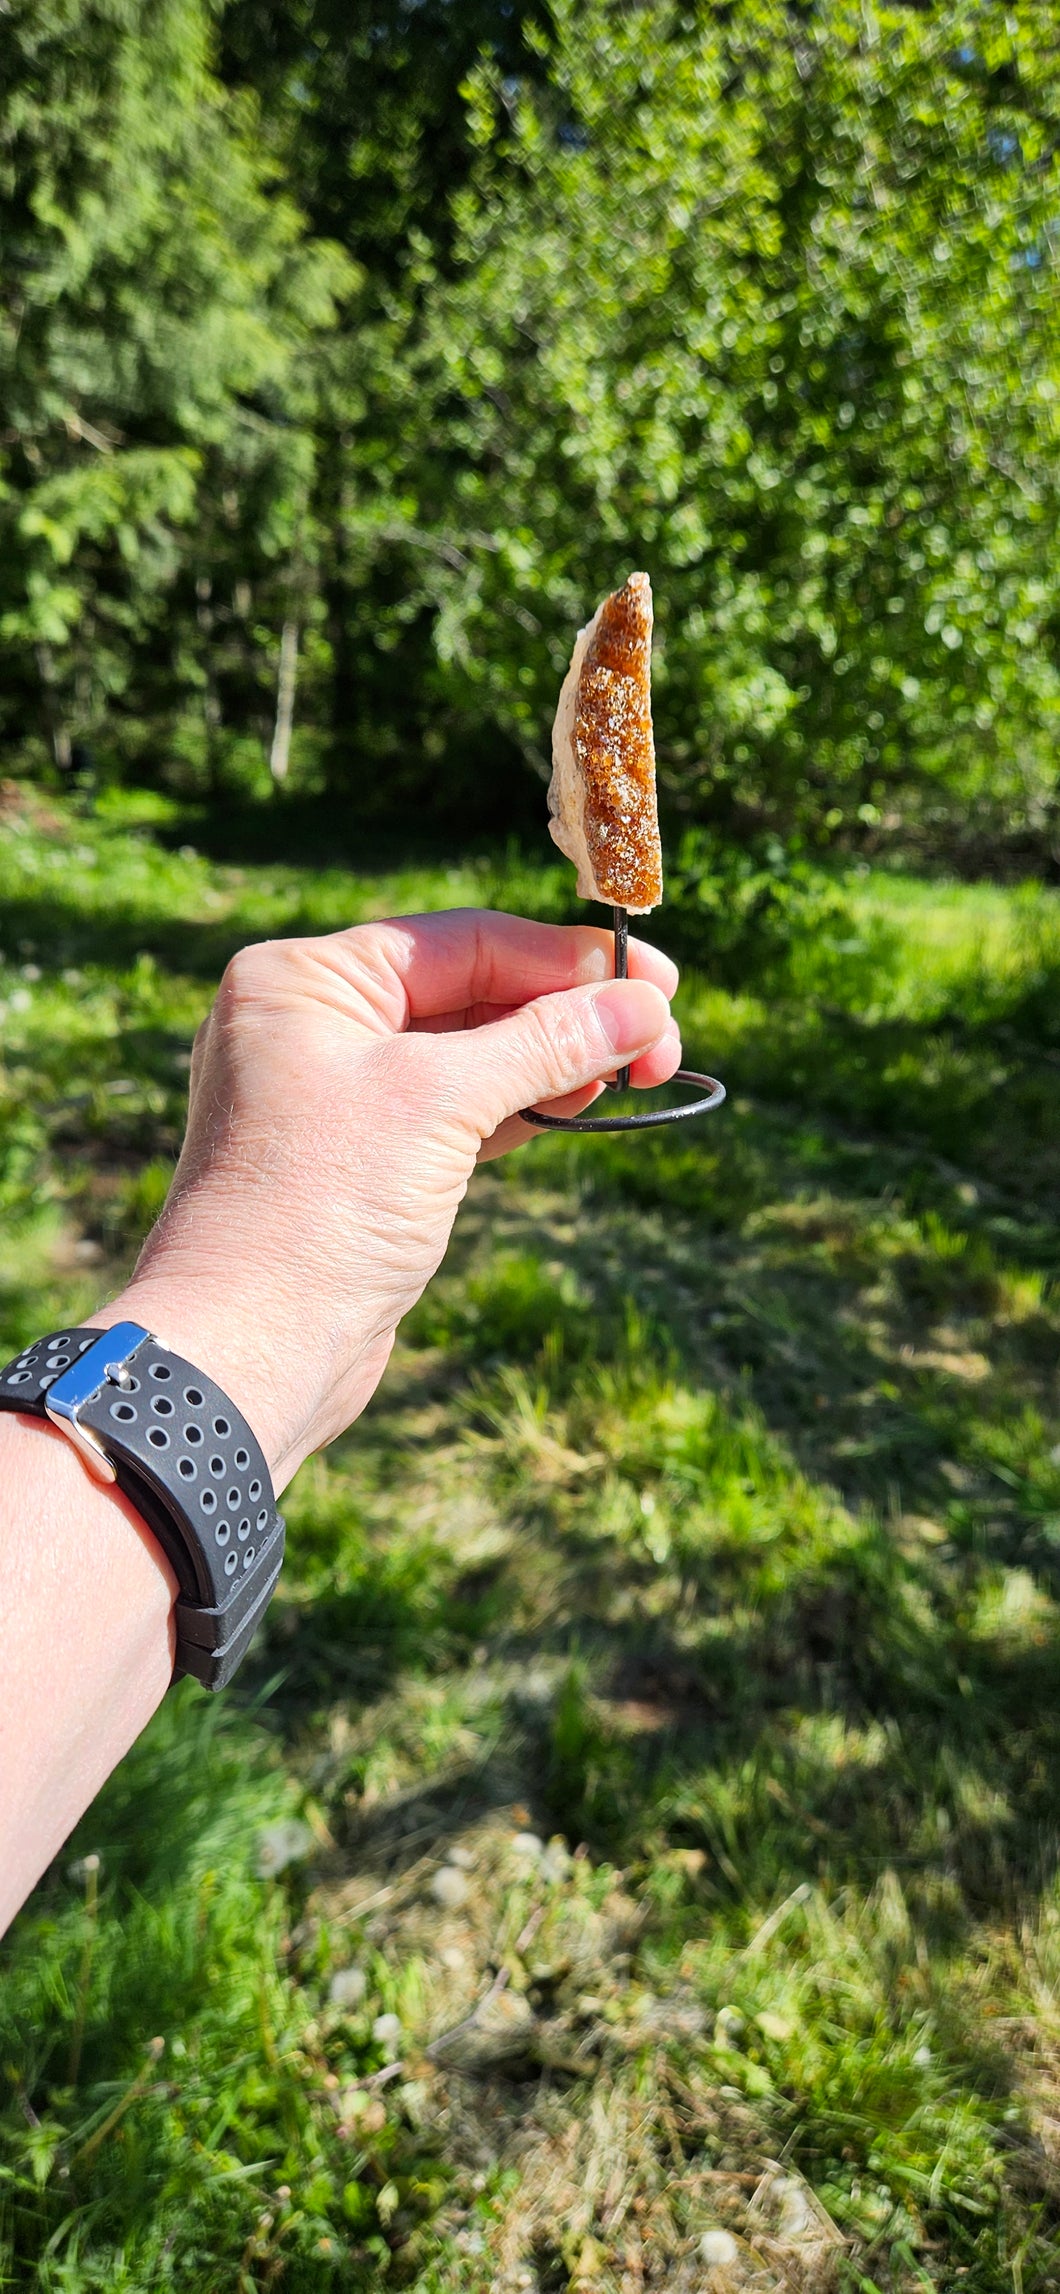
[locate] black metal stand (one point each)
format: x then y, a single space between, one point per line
620 1082
714 1092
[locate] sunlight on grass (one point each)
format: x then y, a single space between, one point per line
637 1825
978 946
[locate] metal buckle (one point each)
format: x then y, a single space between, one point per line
103 1364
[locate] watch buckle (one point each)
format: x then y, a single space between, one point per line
105 1363
91 1449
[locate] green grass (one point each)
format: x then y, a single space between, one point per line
707 1527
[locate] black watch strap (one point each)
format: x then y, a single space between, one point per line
184 1457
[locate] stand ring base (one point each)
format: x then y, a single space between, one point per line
715 1093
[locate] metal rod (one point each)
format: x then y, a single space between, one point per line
620 1082
709 1092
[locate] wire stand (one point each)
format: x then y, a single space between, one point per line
652 1116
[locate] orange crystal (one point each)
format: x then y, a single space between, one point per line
610 734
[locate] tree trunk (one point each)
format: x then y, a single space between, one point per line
58 730
211 702
331 510
280 754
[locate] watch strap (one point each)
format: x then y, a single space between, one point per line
187 1460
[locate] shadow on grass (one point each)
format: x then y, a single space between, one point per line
792 1255
316 832
61 933
847 1728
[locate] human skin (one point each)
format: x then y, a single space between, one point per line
343 1090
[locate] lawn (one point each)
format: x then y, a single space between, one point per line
630 1858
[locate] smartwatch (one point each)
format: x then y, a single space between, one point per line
184 1457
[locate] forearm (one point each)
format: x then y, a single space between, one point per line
88 1643
88 1593
89 1634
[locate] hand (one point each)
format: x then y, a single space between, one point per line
342 1091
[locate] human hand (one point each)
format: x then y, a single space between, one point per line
342 1091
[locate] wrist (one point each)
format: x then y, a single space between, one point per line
181 1451
221 1334
297 1385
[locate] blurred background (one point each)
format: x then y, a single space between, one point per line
351 352
629 1860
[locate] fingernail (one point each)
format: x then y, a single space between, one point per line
632 1014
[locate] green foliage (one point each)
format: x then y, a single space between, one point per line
753 912
411 331
162 292
767 305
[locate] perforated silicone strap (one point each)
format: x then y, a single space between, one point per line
188 1462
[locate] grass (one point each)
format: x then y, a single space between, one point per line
630 1860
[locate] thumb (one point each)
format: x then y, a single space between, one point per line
557 1044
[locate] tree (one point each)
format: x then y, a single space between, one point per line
763 298
159 290
407 331
361 101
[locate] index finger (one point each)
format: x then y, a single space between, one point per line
464 956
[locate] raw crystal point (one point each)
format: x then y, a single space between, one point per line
602 793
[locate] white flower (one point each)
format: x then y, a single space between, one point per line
347 1987
288 1841
718 2246
450 1888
